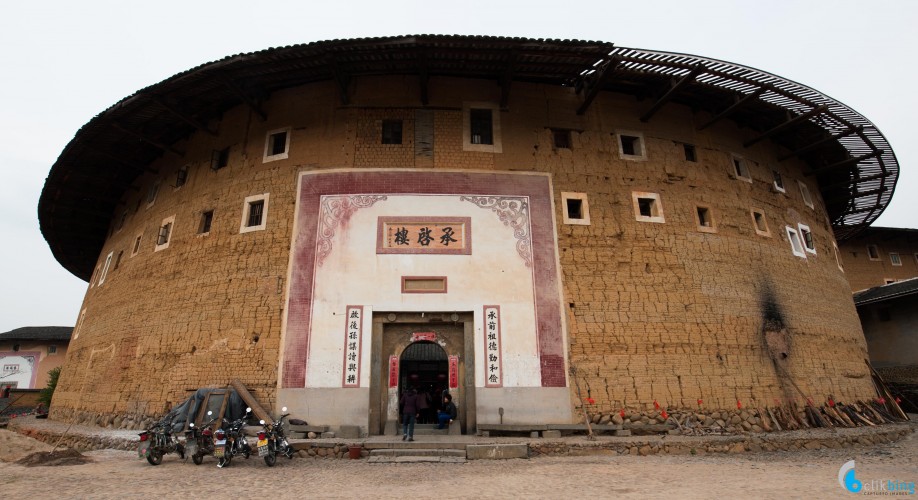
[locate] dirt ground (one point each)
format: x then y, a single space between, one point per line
120 474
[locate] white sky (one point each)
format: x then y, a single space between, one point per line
62 62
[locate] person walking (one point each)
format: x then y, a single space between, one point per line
410 412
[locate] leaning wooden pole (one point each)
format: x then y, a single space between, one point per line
586 418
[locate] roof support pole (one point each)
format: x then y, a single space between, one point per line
697 70
138 168
737 105
786 125
604 72
149 141
248 100
182 116
856 181
835 137
845 163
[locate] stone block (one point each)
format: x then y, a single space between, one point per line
349 432
496 451
551 434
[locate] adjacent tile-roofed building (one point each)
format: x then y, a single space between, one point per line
27 354
38 333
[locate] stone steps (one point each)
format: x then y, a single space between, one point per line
416 455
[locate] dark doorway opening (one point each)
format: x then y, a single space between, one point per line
424 366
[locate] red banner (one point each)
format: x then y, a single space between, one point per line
393 371
453 372
424 336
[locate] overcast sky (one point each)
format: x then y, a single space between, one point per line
62 62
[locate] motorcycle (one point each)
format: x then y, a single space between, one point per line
199 441
232 442
272 440
158 440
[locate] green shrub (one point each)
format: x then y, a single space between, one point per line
45 395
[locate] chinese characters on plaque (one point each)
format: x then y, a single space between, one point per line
493 376
393 371
454 372
419 235
352 339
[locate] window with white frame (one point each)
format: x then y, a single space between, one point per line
805 193
76 331
631 145
108 262
894 259
647 207
873 252
254 213
741 168
575 208
181 177
136 247
759 222
164 235
778 182
838 261
796 245
481 127
704 218
807 237
277 144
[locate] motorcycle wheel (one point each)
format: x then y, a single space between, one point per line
197 458
181 451
155 457
270 459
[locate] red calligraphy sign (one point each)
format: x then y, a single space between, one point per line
423 336
393 371
453 372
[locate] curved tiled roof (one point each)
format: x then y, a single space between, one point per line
855 167
38 333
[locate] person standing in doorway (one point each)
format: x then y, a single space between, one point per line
410 411
448 413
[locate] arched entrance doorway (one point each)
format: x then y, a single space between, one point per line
424 366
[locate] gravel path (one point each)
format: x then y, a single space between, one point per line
806 474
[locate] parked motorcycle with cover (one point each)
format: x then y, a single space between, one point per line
159 440
199 440
231 441
272 440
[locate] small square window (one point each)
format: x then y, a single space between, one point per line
575 208
136 245
561 138
52 349
647 207
690 154
151 193
796 245
392 131
219 158
481 127
805 193
889 281
118 259
741 169
873 252
277 145
894 259
164 235
807 237
704 217
181 176
254 213
206 220
108 262
631 146
759 222
778 183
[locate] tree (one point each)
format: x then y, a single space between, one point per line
45 395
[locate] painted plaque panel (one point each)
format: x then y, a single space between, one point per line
424 235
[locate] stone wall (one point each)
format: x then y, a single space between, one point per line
655 311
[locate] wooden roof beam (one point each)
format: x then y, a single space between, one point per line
837 185
247 99
690 77
835 137
342 79
786 125
182 116
845 163
149 141
858 211
852 196
732 109
506 79
600 76
105 153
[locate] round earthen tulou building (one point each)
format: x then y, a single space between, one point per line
533 225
